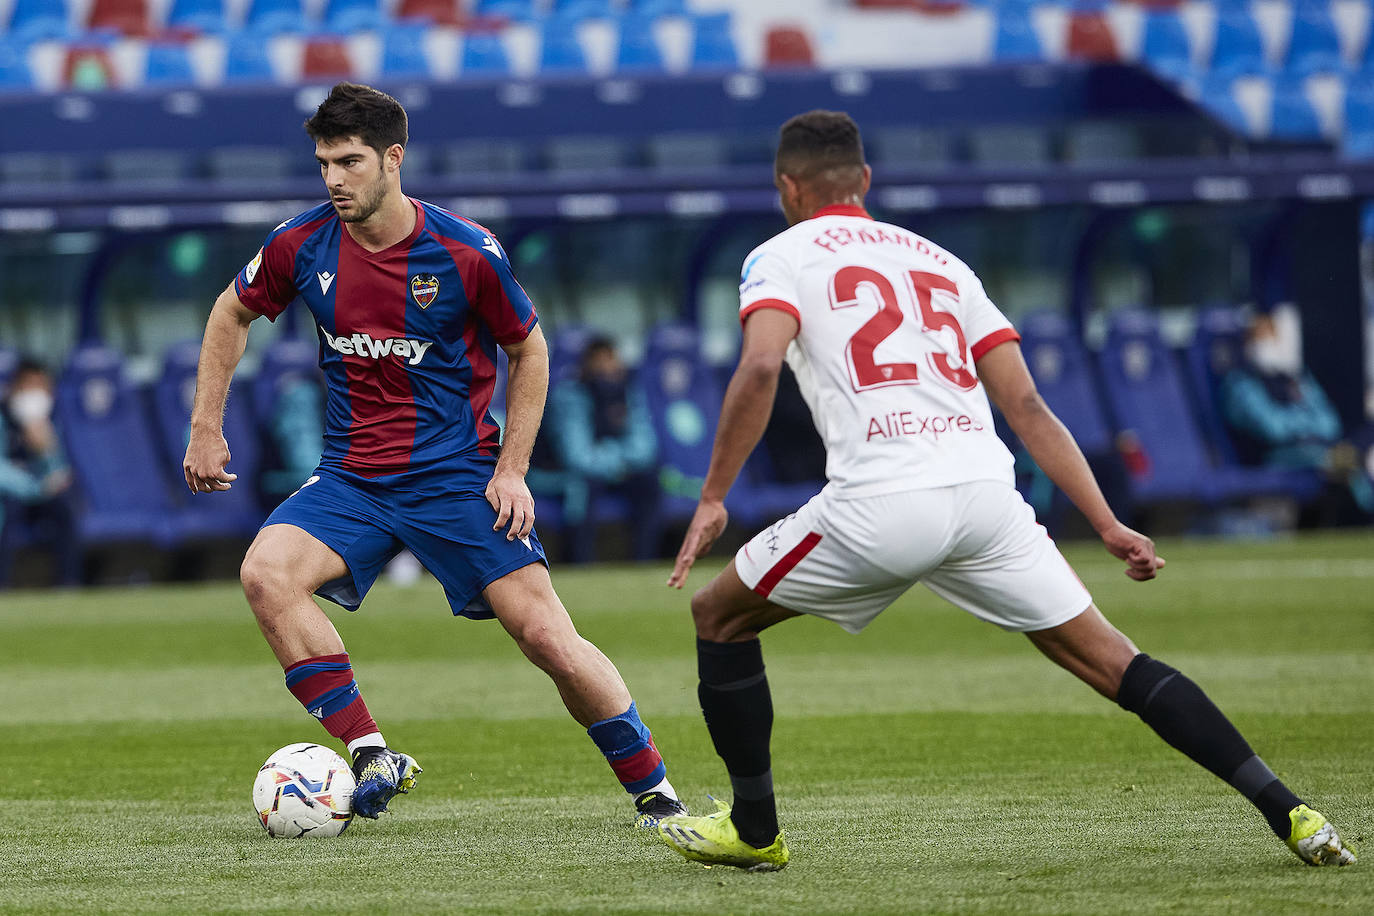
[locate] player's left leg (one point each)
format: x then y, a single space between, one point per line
594 693
1183 715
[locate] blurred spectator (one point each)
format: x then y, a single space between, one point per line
604 439
1282 418
35 481
295 436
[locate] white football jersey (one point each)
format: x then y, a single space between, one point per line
891 325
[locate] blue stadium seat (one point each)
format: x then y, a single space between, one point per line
1357 138
202 15
1164 46
119 477
638 50
9 361
578 10
1015 38
684 400
169 64
14 66
1217 95
271 17
403 50
237 511
1314 46
1238 50
1293 118
655 8
560 53
517 10
246 60
713 46
38 20
483 56
347 16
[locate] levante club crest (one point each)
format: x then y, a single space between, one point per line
423 289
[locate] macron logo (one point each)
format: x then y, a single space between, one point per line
489 244
412 351
326 281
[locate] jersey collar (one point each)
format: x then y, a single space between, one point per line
842 210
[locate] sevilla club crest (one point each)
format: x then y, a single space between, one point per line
424 288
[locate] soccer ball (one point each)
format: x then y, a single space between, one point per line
304 790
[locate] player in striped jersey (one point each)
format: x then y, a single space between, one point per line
410 303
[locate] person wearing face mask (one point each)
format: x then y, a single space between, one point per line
1280 417
604 439
34 478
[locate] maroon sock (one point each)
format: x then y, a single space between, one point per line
325 687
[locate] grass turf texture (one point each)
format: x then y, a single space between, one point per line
933 764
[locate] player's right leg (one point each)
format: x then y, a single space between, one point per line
1182 714
287 563
738 707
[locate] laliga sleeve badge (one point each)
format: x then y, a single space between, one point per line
423 289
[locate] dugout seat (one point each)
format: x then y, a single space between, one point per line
684 400
1217 347
1146 397
1065 377
118 475
237 511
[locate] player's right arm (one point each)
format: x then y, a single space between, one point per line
226 336
1010 386
743 417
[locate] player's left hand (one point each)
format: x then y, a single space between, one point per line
510 496
1136 549
707 524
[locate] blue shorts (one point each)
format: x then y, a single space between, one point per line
367 523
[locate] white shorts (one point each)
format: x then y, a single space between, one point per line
977 545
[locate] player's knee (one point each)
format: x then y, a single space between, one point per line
263 579
712 620
549 650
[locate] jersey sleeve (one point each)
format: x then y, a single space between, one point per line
768 281
267 283
984 324
501 301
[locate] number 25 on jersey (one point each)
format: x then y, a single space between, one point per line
949 361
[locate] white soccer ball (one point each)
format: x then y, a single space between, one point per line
304 790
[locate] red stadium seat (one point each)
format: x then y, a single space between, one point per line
788 46
128 17
326 57
439 12
1090 38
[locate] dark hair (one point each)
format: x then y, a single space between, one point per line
817 142
30 365
354 110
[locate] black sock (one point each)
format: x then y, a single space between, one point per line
739 715
1183 716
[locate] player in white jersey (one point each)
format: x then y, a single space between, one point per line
897 350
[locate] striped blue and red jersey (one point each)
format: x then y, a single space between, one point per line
408 335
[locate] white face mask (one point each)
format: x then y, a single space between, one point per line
1275 356
31 404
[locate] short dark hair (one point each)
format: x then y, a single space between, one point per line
354 110
817 142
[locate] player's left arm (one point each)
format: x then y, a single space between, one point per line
1003 372
743 418
527 386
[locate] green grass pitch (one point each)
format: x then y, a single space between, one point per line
931 765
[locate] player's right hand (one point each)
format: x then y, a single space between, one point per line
1136 549
203 467
707 524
